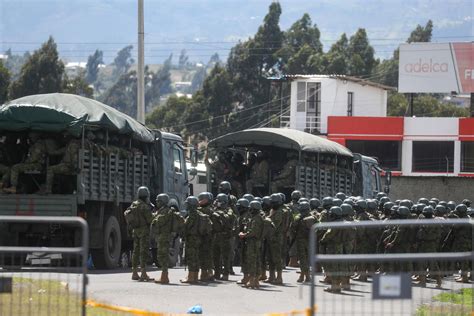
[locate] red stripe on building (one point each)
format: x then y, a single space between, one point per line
363 127
466 129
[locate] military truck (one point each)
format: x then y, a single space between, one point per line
116 156
324 167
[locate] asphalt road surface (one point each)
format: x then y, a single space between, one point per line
228 298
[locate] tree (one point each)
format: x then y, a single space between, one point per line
169 117
361 54
4 82
183 59
14 63
421 34
336 61
198 79
42 72
160 83
424 106
123 94
77 85
305 61
123 60
92 67
213 60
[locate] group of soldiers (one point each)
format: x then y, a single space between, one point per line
270 233
43 154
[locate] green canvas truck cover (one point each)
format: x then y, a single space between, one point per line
282 138
61 112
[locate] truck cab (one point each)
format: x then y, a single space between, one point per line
367 180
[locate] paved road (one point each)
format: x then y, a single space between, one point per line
227 298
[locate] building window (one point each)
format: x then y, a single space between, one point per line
387 152
467 156
350 103
308 97
433 156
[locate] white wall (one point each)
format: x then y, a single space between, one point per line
368 101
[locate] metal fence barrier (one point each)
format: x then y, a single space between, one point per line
43 280
391 291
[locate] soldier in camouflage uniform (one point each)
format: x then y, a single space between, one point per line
243 207
68 164
141 234
287 176
266 208
349 236
399 240
258 173
364 237
277 217
293 207
161 228
300 231
222 239
192 240
461 241
253 239
35 161
207 241
333 239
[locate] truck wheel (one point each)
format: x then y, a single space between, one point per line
109 256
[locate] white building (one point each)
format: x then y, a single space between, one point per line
316 97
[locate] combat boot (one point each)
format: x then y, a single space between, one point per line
335 286
135 276
254 284
362 277
225 277
263 276
463 279
301 278
279 279
245 279
191 278
163 279
210 275
422 280
144 277
326 280
204 276
293 262
346 283
438 282
307 277
271 277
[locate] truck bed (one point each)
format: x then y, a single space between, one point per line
39 205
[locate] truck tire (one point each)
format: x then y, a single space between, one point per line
109 256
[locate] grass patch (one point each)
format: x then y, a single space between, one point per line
44 298
457 303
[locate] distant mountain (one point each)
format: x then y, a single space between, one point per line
204 27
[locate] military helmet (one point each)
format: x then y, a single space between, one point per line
388 206
349 201
451 205
397 202
244 203
283 197
420 207
296 195
436 200
428 211
444 203
361 204
380 195
327 202
249 197
255 205
414 209
403 211
205 196
460 210
466 202
314 203
225 186
162 198
347 209
304 207
335 212
266 200
440 210
258 199
340 195
383 200
143 192
423 201
432 203
192 202
222 198
406 203
275 198
336 202
371 205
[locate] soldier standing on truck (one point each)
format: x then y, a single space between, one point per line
141 218
35 161
68 164
287 176
258 173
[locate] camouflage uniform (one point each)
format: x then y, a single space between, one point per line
333 240
276 243
141 235
222 244
287 177
162 232
193 241
300 229
253 238
258 175
68 163
207 245
428 237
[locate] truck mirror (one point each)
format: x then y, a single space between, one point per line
194 157
193 171
388 177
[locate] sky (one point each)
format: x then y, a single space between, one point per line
204 27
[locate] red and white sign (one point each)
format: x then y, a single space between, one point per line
432 67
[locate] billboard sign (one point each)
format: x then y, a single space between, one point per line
436 68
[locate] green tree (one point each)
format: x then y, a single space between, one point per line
123 94
123 60
198 79
305 61
169 117
160 83
4 82
42 72
92 67
14 63
78 85
421 34
336 61
424 106
361 55
183 59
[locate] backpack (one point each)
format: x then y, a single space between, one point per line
268 228
132 217
177 223
204 225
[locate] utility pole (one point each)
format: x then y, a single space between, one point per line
140 70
